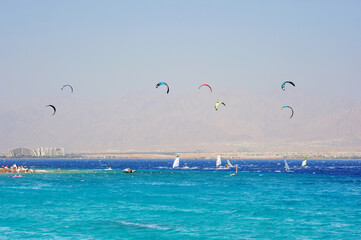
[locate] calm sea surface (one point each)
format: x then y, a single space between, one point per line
262 201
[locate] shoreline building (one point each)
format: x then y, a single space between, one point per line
50 152
21 152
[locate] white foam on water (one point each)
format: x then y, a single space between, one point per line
43 171
143 225
5 229
33 187
188 168
216 169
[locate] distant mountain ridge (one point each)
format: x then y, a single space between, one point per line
153 120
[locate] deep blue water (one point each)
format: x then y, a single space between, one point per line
329 167
84 201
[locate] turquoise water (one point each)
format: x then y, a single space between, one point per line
174 204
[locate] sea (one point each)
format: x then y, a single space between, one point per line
84 200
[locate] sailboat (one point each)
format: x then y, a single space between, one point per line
304 162
176 162
286 167
229 164
219 161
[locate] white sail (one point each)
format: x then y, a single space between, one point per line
286 166
176 162
304 162
229 163
219 161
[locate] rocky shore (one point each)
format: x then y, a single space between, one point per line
15 169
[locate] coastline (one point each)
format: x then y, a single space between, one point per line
193 156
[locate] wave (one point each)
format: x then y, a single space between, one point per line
5 229
142 225
43 171
217 169
32 187
188 168
168 184
163 167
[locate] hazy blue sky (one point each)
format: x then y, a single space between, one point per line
107 48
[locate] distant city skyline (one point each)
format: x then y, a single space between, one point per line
38 152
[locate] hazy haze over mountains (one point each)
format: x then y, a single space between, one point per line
153 120
114 52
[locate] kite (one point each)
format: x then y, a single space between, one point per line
162 83
52 106
283 85
206 86
217 103
67 85
289 108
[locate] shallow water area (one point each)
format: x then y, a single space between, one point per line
262 201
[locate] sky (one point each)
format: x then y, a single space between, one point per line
113 49
108 48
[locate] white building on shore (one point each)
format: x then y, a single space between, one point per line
50 152
22 152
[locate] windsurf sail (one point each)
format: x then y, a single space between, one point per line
219 161
287 168
304 162
176 162
229 163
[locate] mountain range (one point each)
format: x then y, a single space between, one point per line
156 121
